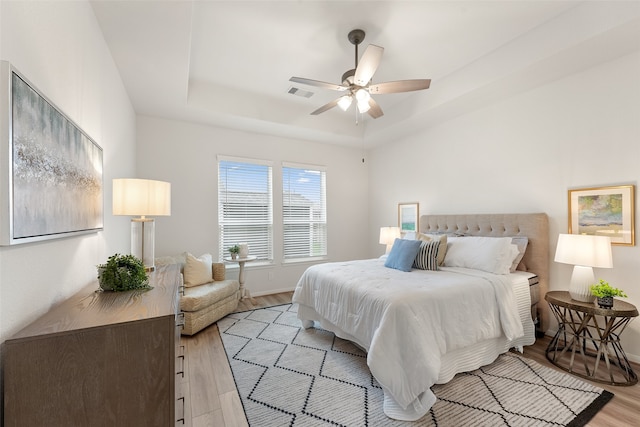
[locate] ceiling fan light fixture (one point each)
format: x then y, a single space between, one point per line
363 95
345 102
363 106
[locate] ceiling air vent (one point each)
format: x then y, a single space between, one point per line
300 92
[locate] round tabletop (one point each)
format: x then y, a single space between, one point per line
619 309
245 259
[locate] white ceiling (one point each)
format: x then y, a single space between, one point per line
228 63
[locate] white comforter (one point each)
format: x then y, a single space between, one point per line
407 320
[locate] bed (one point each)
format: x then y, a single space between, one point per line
420 328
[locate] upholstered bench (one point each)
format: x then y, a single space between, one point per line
207 296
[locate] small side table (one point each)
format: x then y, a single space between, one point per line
588 338
241 261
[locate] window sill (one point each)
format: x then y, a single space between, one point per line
310 260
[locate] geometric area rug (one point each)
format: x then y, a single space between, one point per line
289 376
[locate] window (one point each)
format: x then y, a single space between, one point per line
245 206
304 211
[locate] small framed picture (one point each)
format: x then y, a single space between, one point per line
408 216
604 211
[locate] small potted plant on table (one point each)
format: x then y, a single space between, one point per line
234 250
604 293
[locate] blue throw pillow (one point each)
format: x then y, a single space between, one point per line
402 254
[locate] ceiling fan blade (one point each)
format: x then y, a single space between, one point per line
318 83
400 86
326 107
374 109
368 65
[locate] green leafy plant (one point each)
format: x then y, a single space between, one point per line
122 273
235 249
602 289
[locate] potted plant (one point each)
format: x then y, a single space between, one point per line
234 250
604 293
122 273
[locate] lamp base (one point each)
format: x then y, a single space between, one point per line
143 241
581 280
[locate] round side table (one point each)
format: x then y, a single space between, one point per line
241 261
588 343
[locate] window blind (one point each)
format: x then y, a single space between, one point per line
245 207
304 211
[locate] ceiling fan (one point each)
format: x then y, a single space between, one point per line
356 83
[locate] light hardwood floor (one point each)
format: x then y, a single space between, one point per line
212 398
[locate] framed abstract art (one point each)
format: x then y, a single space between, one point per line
51 170
604 211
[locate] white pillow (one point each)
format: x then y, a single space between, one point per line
491 254
197 271
513 254
521 243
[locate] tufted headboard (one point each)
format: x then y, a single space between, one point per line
533 225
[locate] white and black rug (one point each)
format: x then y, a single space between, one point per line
289 376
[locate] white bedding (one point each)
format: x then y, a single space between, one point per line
409 321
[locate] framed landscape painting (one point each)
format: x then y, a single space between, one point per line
408 216
51 170
604 211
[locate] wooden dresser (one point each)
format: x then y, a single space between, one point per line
99 359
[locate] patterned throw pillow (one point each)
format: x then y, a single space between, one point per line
427 258
441 238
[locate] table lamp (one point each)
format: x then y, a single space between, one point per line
584 252
142 198
388 235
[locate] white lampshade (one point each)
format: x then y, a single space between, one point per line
584 252
363 106
345 102
388 235
363 96
142 197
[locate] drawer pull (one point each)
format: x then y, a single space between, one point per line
181 420
180 319
181 371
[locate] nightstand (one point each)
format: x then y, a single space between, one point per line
588 343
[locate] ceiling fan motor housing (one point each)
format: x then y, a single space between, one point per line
347 77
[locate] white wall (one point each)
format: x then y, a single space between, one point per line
523 155
59 47
185 155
